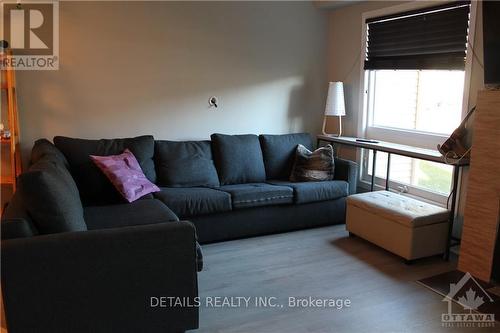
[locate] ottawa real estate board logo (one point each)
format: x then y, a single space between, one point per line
472 297
29 35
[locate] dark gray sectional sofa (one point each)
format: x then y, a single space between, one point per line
76 257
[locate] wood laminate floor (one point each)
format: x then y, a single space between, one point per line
321 263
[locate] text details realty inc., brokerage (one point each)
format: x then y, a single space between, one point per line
249 301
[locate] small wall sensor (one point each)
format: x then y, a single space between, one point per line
213 101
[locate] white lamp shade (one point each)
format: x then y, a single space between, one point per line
335 103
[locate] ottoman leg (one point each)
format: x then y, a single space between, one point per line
351 234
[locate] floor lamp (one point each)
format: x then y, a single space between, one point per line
335 104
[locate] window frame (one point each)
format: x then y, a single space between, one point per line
415 138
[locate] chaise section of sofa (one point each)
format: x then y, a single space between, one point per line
100 280
72 267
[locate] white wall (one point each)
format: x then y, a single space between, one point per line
131 68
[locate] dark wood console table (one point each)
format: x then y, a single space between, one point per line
403 150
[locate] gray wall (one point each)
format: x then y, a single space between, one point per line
131 68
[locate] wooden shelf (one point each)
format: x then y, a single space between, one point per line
5 86
6 180
8 83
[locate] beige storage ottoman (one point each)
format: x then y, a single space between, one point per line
407 227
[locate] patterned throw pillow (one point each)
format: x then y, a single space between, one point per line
318 165
125 174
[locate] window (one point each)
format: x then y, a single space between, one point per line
414 74
425 101
422 178
416 100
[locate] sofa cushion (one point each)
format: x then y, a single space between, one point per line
51 198
258 194
43 148
185 164
316 191
95 188
127 214
187 202
238 159
125 173
279 152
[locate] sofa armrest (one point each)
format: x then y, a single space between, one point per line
348 171
101 280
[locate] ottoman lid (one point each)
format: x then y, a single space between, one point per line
399 208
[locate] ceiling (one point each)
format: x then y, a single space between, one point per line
335 4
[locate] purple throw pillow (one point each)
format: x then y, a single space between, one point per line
125 174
